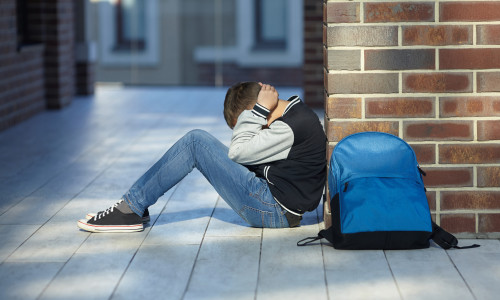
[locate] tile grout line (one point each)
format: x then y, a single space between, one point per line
260 260
61 268
142 242
460 274
393 276
7 257
318 218
199 250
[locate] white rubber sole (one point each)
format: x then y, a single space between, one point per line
82 224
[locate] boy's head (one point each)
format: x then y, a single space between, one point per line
239 97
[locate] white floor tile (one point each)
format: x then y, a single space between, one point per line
12 236
158 272
51 243
479 267
226 268
427 274
25 280
89 276
361 274
288 271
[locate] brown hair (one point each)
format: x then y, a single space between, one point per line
239 97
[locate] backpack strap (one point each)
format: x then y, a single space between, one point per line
445 239
308 240
323 234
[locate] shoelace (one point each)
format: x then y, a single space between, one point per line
107 211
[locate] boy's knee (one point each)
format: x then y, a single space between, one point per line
197 133
200 136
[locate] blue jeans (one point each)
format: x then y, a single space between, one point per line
248 195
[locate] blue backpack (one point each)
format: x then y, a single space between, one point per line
378 198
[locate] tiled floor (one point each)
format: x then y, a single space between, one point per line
59 165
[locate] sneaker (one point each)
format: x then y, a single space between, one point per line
145 216
112 220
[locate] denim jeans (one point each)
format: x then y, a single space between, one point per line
248 195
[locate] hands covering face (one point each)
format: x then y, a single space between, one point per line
268 96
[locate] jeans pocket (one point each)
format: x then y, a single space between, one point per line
257 218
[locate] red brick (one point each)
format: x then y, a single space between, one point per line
362 83
488 34
489 223
488 176
448 177
337 130
488 81
398 11
438 130
397 59
469 106
469 11
437 35
469 153
488 130
361 36
426 153
486 58
453 200
405 107
458 223
437 82
431 199
344 108
342 12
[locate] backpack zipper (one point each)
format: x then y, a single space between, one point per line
345 186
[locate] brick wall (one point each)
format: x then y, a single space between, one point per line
58 36
21 72
428 72
40 71
313 53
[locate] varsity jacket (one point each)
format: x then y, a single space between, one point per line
290 154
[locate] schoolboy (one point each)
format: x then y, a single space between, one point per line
271 174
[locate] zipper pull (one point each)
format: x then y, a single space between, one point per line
345 186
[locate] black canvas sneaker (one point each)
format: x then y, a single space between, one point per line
145 217
112 220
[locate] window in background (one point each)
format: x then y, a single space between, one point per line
270 22
269 33
130 25
128 32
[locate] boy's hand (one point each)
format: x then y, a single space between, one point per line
268 96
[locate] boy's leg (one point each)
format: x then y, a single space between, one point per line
247 194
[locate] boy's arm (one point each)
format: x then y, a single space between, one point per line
251 145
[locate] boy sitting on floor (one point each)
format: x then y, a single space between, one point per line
272 173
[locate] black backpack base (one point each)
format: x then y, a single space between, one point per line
387 240
380 240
